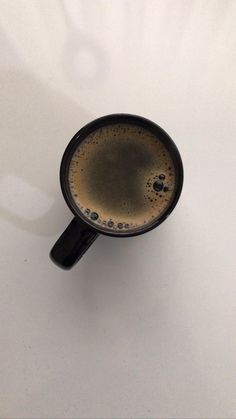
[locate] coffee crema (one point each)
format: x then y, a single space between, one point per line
122 178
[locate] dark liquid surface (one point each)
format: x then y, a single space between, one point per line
122 177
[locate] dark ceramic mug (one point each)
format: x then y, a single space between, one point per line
81 233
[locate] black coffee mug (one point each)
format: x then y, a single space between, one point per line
81 233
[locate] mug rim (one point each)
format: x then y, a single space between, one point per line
96 124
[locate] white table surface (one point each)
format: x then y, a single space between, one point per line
141 327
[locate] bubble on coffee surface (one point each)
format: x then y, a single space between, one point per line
122 178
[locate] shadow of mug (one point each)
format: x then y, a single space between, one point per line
37 123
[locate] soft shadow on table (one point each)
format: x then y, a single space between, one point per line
119 271
128 293
37 124
84 59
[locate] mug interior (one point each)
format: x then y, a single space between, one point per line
104 121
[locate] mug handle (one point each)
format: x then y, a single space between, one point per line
72 244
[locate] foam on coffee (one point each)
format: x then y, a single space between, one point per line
122 177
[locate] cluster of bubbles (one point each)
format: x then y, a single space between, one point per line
94 216
155 188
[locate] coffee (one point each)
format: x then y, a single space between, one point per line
122 178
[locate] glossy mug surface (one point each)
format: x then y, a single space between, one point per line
121 175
